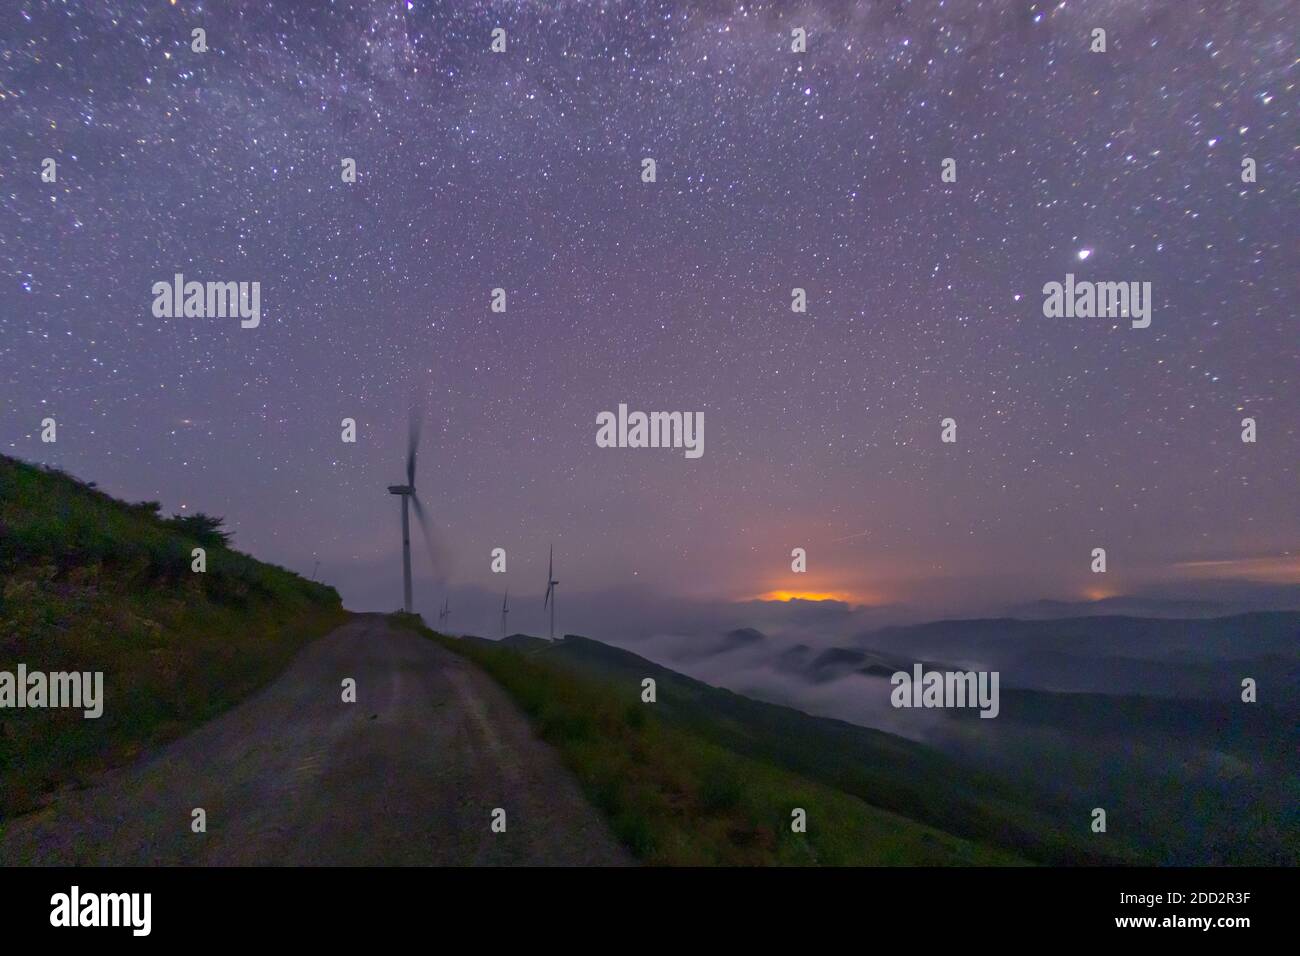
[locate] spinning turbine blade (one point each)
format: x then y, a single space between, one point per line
412 446
432 542
550 573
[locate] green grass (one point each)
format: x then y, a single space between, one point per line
89 583
675 797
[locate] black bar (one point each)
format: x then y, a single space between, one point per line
210 907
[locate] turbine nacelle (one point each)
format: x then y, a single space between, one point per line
401 490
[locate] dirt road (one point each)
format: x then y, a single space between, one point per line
409 774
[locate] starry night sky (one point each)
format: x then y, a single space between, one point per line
775 169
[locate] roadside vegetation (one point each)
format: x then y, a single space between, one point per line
90 583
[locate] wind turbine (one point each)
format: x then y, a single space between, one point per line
444 612
550 589
505 609
410 499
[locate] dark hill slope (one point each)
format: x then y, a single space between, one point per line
90 583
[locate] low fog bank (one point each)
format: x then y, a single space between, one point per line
833 659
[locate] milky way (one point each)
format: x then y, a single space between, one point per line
776 169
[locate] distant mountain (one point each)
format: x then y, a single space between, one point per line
837 662
1122 606
794 658
741 637
1228 601
1189 658
1249 730
525 641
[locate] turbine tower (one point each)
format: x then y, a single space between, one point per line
550 589
505 609
409 500
406 491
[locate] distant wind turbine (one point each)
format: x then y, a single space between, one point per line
444 613
550 589
409 498
505 609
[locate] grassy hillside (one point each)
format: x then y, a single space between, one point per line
89 583
705 776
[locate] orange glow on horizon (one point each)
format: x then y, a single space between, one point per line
804 596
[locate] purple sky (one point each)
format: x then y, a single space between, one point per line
775 170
